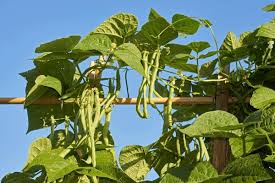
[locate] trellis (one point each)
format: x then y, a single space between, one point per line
221 149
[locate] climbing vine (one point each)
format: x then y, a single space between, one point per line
80 147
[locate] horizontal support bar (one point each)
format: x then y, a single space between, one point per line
124 101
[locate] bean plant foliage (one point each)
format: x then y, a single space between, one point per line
80 147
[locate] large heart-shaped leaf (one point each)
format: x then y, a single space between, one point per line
269 7
186 113
262 97
39 116
198 46
184 24
231 42
118 27
175 53
18 177
59 45
202 172
98 42
267 30
91 171
39 88
55 166
153 15
246 170
251 144
37 147
64 70
156 32
133 161
131 55
208 68
208 123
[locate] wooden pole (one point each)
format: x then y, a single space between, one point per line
221 147
122 101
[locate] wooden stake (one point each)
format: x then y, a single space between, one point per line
221 148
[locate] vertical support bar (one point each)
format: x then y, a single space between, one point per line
221 148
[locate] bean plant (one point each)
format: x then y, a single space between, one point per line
80 147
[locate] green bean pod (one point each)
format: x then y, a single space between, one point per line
165 119
106 126
76 126
110 92
154 77
185 145
53 121
170 103
67 125
143 88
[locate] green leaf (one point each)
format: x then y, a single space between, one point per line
246 170
251 144
209 54
59 45
198 46
91 171
202 172
38 89
153 15
267 30
270 158
185 25
50 82
35 93
118 27
131 55
98 42
162 90
39 116
262 97
106 163
208 68
55 166
231 42
186 113
64 70
183 66
17 177
133 161
206 124
52 56
175 53
60 139
156 32
38 146
268 8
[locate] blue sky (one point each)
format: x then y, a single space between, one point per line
26 24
